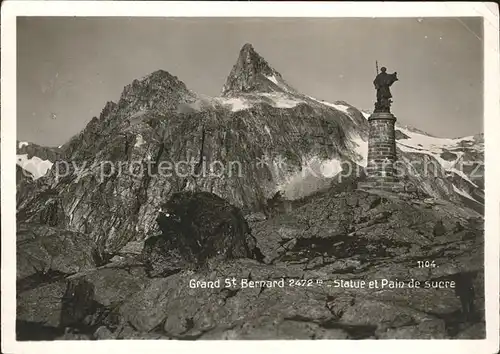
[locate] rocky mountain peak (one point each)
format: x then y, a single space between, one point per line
252 73
250 60
159 90
108 110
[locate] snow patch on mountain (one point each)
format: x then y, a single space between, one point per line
339 107
279 82
139 140
433 146
276 99
34 165
430 143
330 168
463 193
280 100
361 148
236 103
463 175
316 173
365 114
22 143
273 79
268 131
447 165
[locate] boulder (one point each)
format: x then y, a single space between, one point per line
41 305
147 309
42 249
197 226
59 304
113 285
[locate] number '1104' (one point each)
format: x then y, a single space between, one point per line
426 264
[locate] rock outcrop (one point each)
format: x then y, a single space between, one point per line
44 250
196 228
323 241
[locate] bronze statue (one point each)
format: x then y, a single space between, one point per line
382 83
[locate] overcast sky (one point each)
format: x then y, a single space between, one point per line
69 67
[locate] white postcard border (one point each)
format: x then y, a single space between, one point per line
489 11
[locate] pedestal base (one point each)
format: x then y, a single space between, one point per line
381 147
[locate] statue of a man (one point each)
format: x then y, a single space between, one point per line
382 83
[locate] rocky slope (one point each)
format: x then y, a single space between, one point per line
321 241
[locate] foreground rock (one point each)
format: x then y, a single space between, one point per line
362 226
309 287
43 250
195 228
81 302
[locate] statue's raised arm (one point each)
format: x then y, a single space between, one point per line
382 83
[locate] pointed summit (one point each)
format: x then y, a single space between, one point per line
248 48
253 74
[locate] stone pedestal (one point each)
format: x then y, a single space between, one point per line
381 147
380 172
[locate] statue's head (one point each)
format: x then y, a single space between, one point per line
383 69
